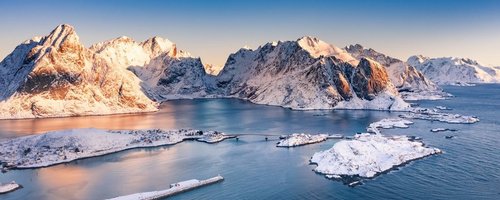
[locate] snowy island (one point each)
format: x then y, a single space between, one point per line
435 115
368 155
64 146
299 139
387 124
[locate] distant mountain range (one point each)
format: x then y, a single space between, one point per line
55 76
455 71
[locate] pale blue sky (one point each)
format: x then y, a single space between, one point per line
214 29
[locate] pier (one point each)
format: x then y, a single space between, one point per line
174 189
188 185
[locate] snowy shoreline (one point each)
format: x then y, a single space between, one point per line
406 111
81 115
58 147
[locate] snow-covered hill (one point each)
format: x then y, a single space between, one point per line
409 81
307 74
455 71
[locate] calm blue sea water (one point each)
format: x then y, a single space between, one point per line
255 169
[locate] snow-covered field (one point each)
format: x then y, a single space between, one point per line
368 155
299 139
8 187
67 145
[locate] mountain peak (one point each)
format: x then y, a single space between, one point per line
354 47
416 60
63 33
310 40
246 47
64 28
317 48
157 43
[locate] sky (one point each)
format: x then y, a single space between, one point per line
214 29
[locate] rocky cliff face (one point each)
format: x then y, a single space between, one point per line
297 75
455 71
408 80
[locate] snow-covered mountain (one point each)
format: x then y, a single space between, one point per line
56 75
307 74
455 71
165 72
212 69
409 81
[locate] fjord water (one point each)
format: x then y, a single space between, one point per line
255 169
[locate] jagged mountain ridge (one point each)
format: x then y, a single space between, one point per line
297 75
56 75
165 72
455 71
409 81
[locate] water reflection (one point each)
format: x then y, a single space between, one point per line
69 182
229 115
15 128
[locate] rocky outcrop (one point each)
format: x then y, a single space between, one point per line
369 79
